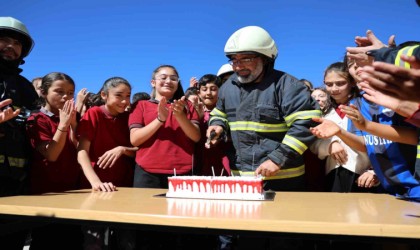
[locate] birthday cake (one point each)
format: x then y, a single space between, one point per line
216 187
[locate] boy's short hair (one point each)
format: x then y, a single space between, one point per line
209 78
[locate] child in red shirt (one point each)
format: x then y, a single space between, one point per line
54 167
214 159
164 131
104 150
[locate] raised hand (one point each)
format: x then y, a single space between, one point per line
395 81
178 107
163 111
8 113
67 114
364 44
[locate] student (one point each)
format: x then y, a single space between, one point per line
408 109
165 129
397 177
54 167
36 82
212 159
390 148
51 131
104 150
315 167
343 164
106 158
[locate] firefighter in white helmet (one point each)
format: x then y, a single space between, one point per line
267 113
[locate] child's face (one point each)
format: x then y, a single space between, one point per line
338 87
165 83
117 99
208 94
320 96
58 93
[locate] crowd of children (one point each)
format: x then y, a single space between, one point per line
363 133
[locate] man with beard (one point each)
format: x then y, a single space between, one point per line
267 113
15 44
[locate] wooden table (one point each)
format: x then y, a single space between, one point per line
297 213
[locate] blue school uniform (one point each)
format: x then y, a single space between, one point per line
393 162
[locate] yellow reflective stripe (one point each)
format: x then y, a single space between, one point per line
408 51
398 59
257 127
216 112
294 143
1 158
16 162
302 115
212 118
282 174
418 151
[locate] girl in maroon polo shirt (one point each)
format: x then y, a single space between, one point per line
54 167
104 150
165 129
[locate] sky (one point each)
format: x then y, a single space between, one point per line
93 40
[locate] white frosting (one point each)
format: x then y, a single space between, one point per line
207 187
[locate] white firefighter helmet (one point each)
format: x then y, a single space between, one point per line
251 39
226 68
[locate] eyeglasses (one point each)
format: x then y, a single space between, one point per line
337 83
243 61
163 77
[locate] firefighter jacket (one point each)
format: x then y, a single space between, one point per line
267 120
14 146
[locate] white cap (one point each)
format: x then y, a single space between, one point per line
226 68
251 39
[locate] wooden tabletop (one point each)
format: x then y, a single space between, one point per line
354 214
